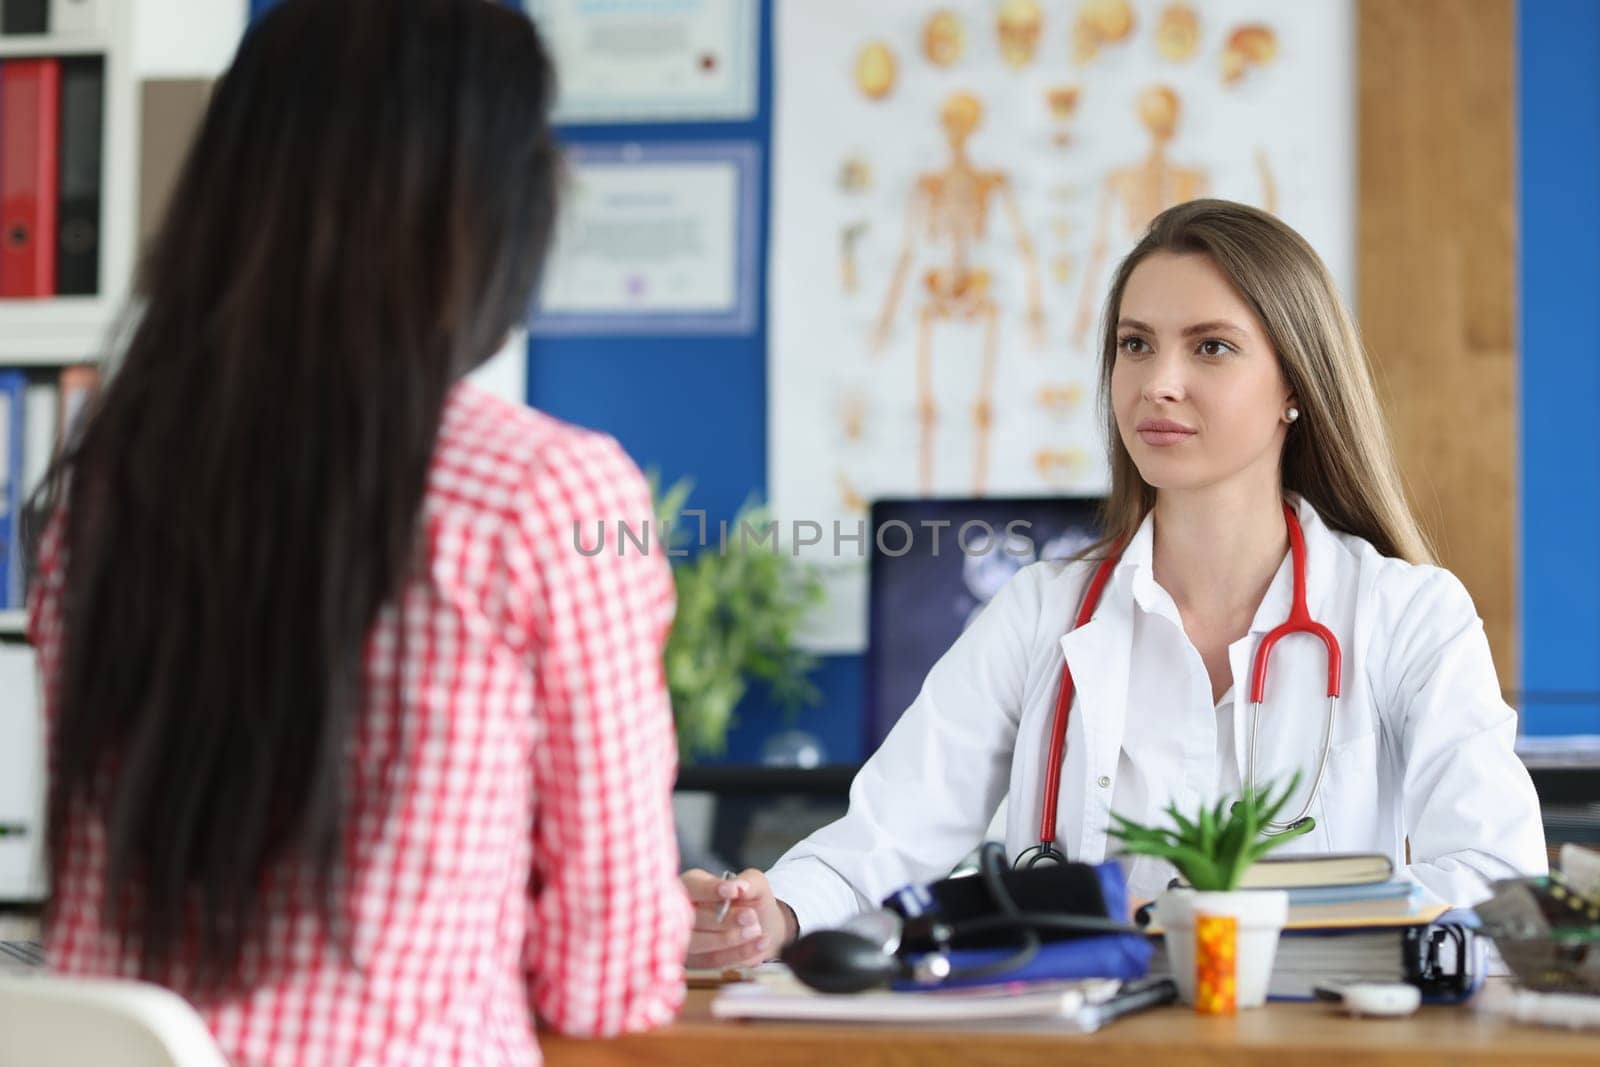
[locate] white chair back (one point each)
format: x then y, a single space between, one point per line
82 1022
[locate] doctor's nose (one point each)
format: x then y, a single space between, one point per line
1165 384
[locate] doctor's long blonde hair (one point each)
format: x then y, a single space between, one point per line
1337 455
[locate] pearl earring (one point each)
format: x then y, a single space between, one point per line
1292 414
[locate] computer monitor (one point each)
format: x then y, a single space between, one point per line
930 573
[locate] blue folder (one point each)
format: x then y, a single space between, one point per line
13 388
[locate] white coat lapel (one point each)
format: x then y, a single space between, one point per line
1098 655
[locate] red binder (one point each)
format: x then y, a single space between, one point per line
30 108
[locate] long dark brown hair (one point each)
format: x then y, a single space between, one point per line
360 221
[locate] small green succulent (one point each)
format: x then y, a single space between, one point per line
1214 849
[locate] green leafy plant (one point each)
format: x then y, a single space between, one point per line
739 608
1214 849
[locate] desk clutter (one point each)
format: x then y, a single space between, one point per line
1547 930
1045 942
1435 950
1350 920
1049 922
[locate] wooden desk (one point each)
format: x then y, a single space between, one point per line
1278 1035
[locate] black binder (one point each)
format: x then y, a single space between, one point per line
78 217
24 16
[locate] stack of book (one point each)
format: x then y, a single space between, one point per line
1338 890
1350 919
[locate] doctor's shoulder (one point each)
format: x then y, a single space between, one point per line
1407 609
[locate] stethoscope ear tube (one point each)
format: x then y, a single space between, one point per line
1298 622
1275 829
1056 753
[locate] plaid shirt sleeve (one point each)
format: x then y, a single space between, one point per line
609 921
44 596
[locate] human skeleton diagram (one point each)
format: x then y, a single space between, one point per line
1139 193
1143 190
950 209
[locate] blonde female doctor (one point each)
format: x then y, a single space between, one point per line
1241 413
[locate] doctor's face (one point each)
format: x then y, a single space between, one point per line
1196 387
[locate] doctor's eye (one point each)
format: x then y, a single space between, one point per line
1133 345
1215 349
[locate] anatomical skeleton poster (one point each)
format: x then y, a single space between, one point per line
953 185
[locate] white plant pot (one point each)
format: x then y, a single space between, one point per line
1261 914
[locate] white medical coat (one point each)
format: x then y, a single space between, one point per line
1422 745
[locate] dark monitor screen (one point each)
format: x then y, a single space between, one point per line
928 580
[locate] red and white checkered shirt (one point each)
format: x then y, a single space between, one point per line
519 858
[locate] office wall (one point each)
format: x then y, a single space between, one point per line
1526 540
696 407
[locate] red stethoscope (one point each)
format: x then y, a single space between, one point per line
1298 622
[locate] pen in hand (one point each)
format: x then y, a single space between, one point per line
722 910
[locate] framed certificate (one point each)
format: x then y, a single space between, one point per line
655 238
652 60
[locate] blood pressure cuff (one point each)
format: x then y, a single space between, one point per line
1124 956
1064 889
1070 888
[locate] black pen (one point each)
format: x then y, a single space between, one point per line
1131 997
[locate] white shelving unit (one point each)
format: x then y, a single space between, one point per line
60 331
45 334
45 44
49 333
137 39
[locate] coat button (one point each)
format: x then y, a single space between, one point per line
1105 782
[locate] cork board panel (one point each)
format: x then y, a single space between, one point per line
1436 256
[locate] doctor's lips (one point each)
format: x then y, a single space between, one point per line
1162 432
